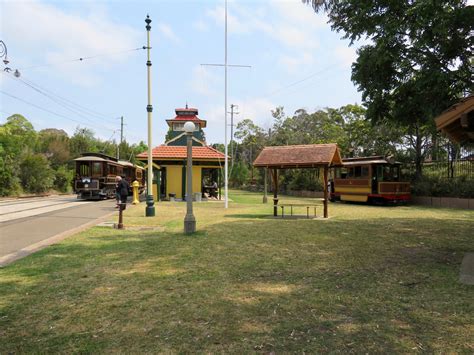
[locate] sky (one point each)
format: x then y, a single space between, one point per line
296 62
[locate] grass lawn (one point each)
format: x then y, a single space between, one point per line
369 279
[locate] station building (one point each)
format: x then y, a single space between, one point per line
169 159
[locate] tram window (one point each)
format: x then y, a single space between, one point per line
139 174
84 169
96 169
396 173
364 172
119 171
343 173
112 170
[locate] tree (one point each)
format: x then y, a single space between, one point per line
418 62
36 174
82 141
54 143
17 137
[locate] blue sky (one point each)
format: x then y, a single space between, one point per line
297 62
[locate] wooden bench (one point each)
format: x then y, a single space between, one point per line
291 205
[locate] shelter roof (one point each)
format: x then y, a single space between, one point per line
299 156
170 152
457 122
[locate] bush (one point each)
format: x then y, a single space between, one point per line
442 187
63 178
35 173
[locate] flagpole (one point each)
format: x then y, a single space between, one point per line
226 165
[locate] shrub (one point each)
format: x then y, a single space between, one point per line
442 187
36 174
63 178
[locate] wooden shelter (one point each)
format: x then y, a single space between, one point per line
457 122
299 157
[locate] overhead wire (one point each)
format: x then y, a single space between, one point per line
77 106
81 59
49 111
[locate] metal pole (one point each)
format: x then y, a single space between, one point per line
150 205
226 163
189 219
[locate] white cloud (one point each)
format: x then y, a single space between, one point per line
294 26
48 35
294 62
200 25
345 55
204 82
168 33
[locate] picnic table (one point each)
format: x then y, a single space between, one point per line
307 205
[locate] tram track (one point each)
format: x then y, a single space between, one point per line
20 201
14 211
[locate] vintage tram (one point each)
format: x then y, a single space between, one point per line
96 173
374 179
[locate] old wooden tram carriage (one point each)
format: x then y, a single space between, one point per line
96 173
373 179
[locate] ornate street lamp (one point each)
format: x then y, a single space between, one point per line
4 55
150 204
189 220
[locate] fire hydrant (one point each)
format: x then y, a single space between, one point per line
135 185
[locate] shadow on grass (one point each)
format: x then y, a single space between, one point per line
243 286
247 215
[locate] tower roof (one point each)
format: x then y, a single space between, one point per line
187 114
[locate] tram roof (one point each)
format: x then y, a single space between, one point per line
377 159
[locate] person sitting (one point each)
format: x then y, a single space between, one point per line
213 190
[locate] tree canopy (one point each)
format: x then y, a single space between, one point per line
417 62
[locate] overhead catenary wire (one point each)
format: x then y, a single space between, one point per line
81 59
67 107
70 105
49 111
79 107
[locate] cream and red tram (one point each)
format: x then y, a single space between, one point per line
373 179
96 173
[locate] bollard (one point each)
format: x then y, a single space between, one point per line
120 223
135 186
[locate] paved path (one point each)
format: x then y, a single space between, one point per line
29 225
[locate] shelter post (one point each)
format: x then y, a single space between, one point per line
325 191
275 192
265 198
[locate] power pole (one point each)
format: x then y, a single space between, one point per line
121 130
226 65
121 137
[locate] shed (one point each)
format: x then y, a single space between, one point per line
457 122
299 157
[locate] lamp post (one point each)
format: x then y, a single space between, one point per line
150 204
189 220
4 54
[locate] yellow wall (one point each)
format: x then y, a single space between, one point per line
174 180
197 186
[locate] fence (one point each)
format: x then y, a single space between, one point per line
454 162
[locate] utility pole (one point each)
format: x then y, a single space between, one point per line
232 113
121 137
225 65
